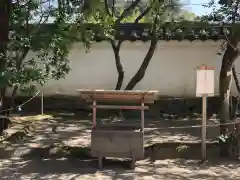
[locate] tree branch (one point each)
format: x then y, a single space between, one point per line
107 9
144 13
236 78
116 49
25 50
125 12
119 44
142 70
234 13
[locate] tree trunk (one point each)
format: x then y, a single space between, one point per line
5 8
142 70
225 81
116 49
236 78
235 100
12 106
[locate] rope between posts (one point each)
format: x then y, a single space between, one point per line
195 126
24 103
172 127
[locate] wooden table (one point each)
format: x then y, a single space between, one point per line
123 141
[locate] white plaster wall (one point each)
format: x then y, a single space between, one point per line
172 70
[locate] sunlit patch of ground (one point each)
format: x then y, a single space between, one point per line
37 157
77 169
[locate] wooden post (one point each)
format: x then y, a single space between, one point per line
204 126
204 88
142 128
100 159
42 102
94 114
142 116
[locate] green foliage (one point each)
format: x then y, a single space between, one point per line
133 15
49 44
228 11
92 20
182 148
158 14
225 2
31 34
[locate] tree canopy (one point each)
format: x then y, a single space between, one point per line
28 33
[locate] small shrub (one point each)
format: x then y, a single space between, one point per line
182 148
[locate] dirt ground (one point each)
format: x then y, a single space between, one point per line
29 158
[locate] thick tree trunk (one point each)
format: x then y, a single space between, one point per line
142 70
225 81
116 49
235 100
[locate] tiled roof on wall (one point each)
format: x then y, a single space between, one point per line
179 31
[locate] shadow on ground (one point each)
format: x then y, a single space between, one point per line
59 149
73 169
71 133
167 128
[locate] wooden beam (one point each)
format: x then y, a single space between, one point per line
204 127
118 95
94 114
120 107
142 116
